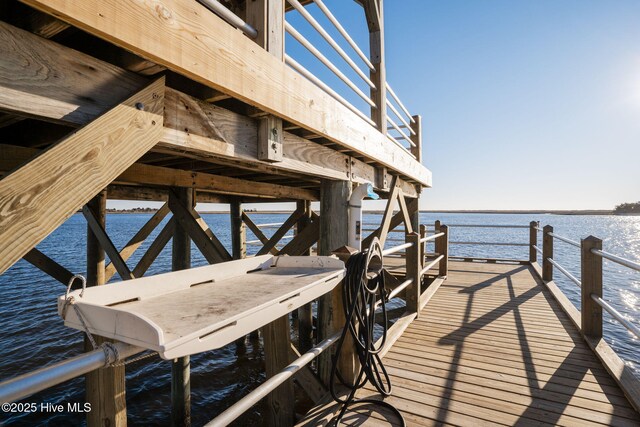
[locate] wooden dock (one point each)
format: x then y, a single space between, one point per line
493 347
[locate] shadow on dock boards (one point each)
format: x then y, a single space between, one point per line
493 346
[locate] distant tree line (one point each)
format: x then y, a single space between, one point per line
133 210
628 208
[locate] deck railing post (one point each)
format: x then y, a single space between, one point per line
105 387
416 126
547 253
444 251
413 268
423 246
533 241
591 269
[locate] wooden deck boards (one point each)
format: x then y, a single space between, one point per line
493 347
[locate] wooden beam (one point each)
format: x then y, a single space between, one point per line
181 260
397 219
193 128
135 242
104 388
280 232
591 276
267 17
156 247
36 198
203 237
201 46
257 232
101 235
49 266
155 175
39 78
407 217
302 242
388 212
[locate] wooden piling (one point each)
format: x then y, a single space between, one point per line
105 387
305 313
547 253
238 231
444 250
413 268
334 224
591 269
180 368
533 241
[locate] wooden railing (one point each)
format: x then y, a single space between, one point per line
590 283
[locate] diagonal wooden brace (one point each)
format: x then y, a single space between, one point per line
38 197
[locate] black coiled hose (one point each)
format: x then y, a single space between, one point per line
363 287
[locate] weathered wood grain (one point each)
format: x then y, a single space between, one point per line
187 38
36 199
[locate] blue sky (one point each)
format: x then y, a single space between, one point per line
525 104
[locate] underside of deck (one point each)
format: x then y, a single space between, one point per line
493 347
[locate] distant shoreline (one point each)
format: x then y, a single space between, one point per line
379 212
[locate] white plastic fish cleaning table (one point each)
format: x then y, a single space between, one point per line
200 309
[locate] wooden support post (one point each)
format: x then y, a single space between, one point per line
267 17
238 231
423 246
591 266
181 260
334 224
533 241
413 267
277 344
36 198
105 387
416 126
547 253
375 20
444 248
305 312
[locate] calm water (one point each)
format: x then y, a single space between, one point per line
32 334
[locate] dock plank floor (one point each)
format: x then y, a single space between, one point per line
493 347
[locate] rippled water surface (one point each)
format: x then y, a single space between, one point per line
32 334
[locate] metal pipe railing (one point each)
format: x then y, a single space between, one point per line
431 237
564 239
487 226
402 134
311 48
537 249
400 104
404 125
244 404
394 293
311 20
489 243
392 139
616 314
618 260
25 385
344 33
233 19
562 270
322 85
395 249
270 225
430 265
